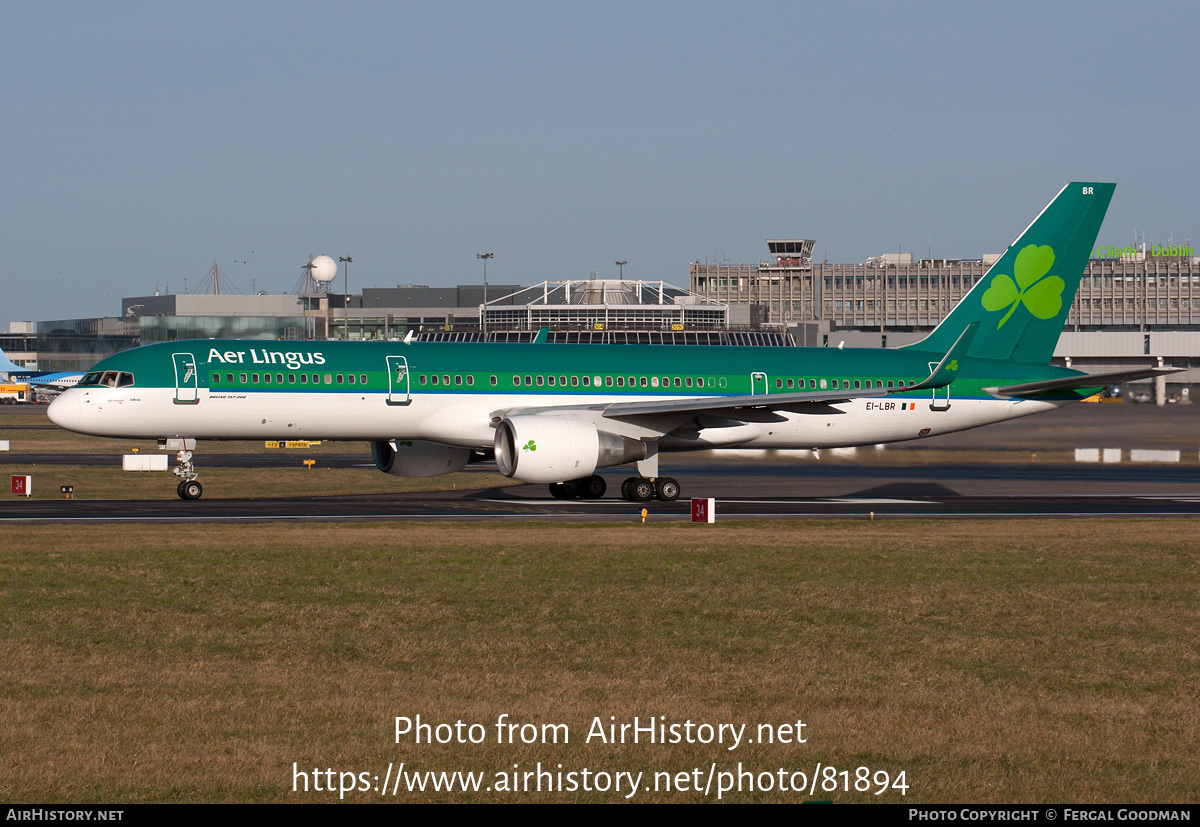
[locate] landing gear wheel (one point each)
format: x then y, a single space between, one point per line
625 486
592 488
558 491
642 490
190 490
570 489
666 489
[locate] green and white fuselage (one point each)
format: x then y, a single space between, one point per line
451 393
556 412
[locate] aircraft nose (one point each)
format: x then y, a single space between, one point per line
64 410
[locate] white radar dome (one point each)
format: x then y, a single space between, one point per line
324 269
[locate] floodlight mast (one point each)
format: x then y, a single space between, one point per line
485 255
346 308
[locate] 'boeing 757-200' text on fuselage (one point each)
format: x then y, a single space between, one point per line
554 413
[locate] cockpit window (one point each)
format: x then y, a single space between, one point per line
108 378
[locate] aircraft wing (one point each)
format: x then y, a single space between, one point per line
1087 380
666 414
732 406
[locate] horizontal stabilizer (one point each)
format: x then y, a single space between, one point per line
1086 380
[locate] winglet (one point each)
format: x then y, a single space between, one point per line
947 369
408 338
542 335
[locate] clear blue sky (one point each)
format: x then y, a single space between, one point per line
142 140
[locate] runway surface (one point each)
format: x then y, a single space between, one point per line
922 501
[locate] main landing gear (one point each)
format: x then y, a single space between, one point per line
634 489
643 489
588 488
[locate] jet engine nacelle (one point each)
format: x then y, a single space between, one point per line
548 448
415 458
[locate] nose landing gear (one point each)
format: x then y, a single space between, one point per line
189 487
190 490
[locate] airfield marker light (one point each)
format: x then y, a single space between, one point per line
644 513
67 491
309 463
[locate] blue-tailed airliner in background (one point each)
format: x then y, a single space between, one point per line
45 382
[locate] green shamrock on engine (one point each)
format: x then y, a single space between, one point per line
529 446
1041 296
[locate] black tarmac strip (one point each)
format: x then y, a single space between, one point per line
737 497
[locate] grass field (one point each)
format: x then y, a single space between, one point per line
1030 661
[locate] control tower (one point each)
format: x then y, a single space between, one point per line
790 253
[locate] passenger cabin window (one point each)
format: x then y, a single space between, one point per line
254 378
279 379
362 379
216 379
291 378
493 380
351 378
517 381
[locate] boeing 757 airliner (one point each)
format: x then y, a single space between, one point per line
554 413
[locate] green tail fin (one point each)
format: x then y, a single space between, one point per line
1023 300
